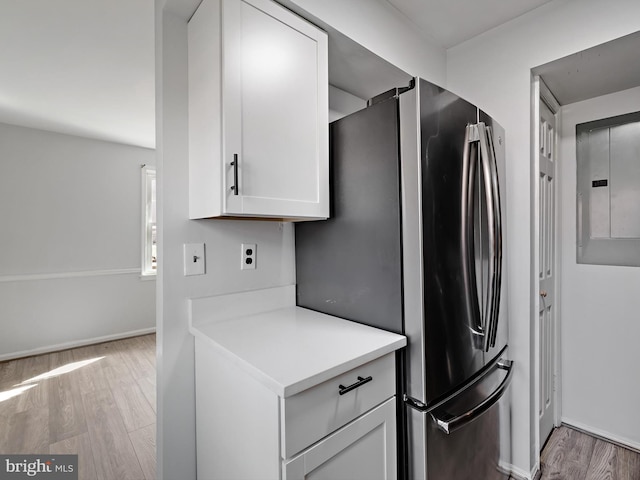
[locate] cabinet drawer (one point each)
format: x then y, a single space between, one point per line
314 413
365 449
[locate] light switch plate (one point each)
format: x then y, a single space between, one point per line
194 259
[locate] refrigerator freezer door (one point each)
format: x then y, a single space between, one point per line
449 422
478 448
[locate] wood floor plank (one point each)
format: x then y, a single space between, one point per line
144 443
111 358
34 366
66 411
10 399
4 431
36 397
10 373
554 455
116 371
134 408
133 354
628 465
148 387
60 359
603 462
67 417
149 342
555 439
113 453
90 377
28 432
581 447
81 446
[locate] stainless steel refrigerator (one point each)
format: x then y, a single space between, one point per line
415 245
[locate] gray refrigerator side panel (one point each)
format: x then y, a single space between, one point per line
498 132
451 312
350 265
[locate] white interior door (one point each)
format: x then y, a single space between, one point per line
546 272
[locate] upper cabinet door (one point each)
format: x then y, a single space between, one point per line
272 121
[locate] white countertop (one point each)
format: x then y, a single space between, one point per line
291 349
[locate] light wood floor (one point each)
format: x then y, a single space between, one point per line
573 455
103 410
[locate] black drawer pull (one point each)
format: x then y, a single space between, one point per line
361 381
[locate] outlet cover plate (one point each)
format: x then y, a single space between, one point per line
248 256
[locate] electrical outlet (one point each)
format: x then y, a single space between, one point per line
194 259
249 256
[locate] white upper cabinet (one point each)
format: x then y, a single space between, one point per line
258 113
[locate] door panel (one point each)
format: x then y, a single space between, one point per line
451 311
546 271
269 85
274 123
499 144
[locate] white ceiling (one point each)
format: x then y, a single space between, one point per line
606 68
86 67
82 67
451 22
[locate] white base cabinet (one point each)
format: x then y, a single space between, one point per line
365 449
247 431
258 112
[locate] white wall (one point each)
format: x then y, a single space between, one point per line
493 70
176 410
343 103
600 305
70 241
378 26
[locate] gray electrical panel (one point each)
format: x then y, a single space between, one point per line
608 187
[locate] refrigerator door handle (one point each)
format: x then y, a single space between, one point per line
450 423
497 202
468 261
497 237
493 212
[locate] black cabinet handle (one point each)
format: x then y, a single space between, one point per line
234 187
361 381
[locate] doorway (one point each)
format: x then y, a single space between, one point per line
597 327
546 258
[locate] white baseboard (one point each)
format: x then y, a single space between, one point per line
519 474
603 434
76 343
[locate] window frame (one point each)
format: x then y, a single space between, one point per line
148 188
